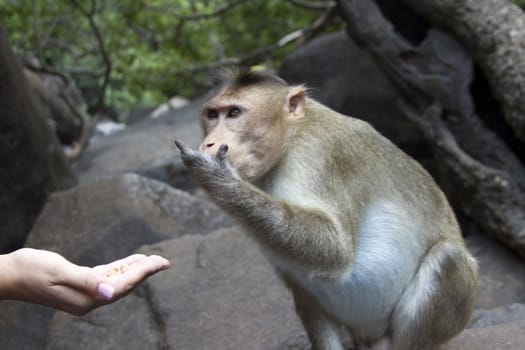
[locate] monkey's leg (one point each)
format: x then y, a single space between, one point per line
437 304
322 330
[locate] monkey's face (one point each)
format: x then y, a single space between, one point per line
251 122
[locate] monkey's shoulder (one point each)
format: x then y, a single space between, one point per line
324 126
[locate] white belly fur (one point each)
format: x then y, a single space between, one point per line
364 296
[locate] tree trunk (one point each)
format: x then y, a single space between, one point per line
33 163
482 175
62 101
494 33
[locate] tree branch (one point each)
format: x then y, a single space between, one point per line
36 30
102 49
202 16
494 32
313 5
303 33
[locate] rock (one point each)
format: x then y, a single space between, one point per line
348 81
501 273
172 172
223 276
113 217
142 146
510 336
33 163
61 101
23 326
172 104
497 316
220 293
106 127
96 223
126 324
137 114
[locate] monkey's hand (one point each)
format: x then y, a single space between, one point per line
212 173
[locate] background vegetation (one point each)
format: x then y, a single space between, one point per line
140 52
124 53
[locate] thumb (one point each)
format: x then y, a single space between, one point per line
87 281
105 290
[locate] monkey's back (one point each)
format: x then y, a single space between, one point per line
352 150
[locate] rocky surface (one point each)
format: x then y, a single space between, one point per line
509 336
145 147
101 221
502 274
115 216
220 292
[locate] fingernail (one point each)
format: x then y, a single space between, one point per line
105 290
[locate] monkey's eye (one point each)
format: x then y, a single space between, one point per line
234 112
212 114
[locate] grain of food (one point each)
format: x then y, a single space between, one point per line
117 270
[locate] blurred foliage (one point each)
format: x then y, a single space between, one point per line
156 47
152 44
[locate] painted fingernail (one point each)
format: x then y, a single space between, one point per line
105 290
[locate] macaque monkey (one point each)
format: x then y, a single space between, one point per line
359 231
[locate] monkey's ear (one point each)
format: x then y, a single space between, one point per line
296 102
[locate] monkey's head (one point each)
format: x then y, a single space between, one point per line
251 114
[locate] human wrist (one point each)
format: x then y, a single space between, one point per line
7 276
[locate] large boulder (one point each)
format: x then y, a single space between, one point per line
130 323
146 147
23 326
509 336
501 273
98 222
113 217
220 293
497 316
33 163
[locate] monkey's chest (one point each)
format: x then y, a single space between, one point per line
362 299
364 296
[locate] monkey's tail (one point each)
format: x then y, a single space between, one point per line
437 304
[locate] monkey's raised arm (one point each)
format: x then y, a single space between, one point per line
308 236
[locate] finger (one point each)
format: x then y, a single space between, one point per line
119 267
72 300
134 259
221 153
94 281
181 146
189 156
137 272
85 280
131 259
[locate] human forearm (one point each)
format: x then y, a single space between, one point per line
7 276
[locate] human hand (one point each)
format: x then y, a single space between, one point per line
47 278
